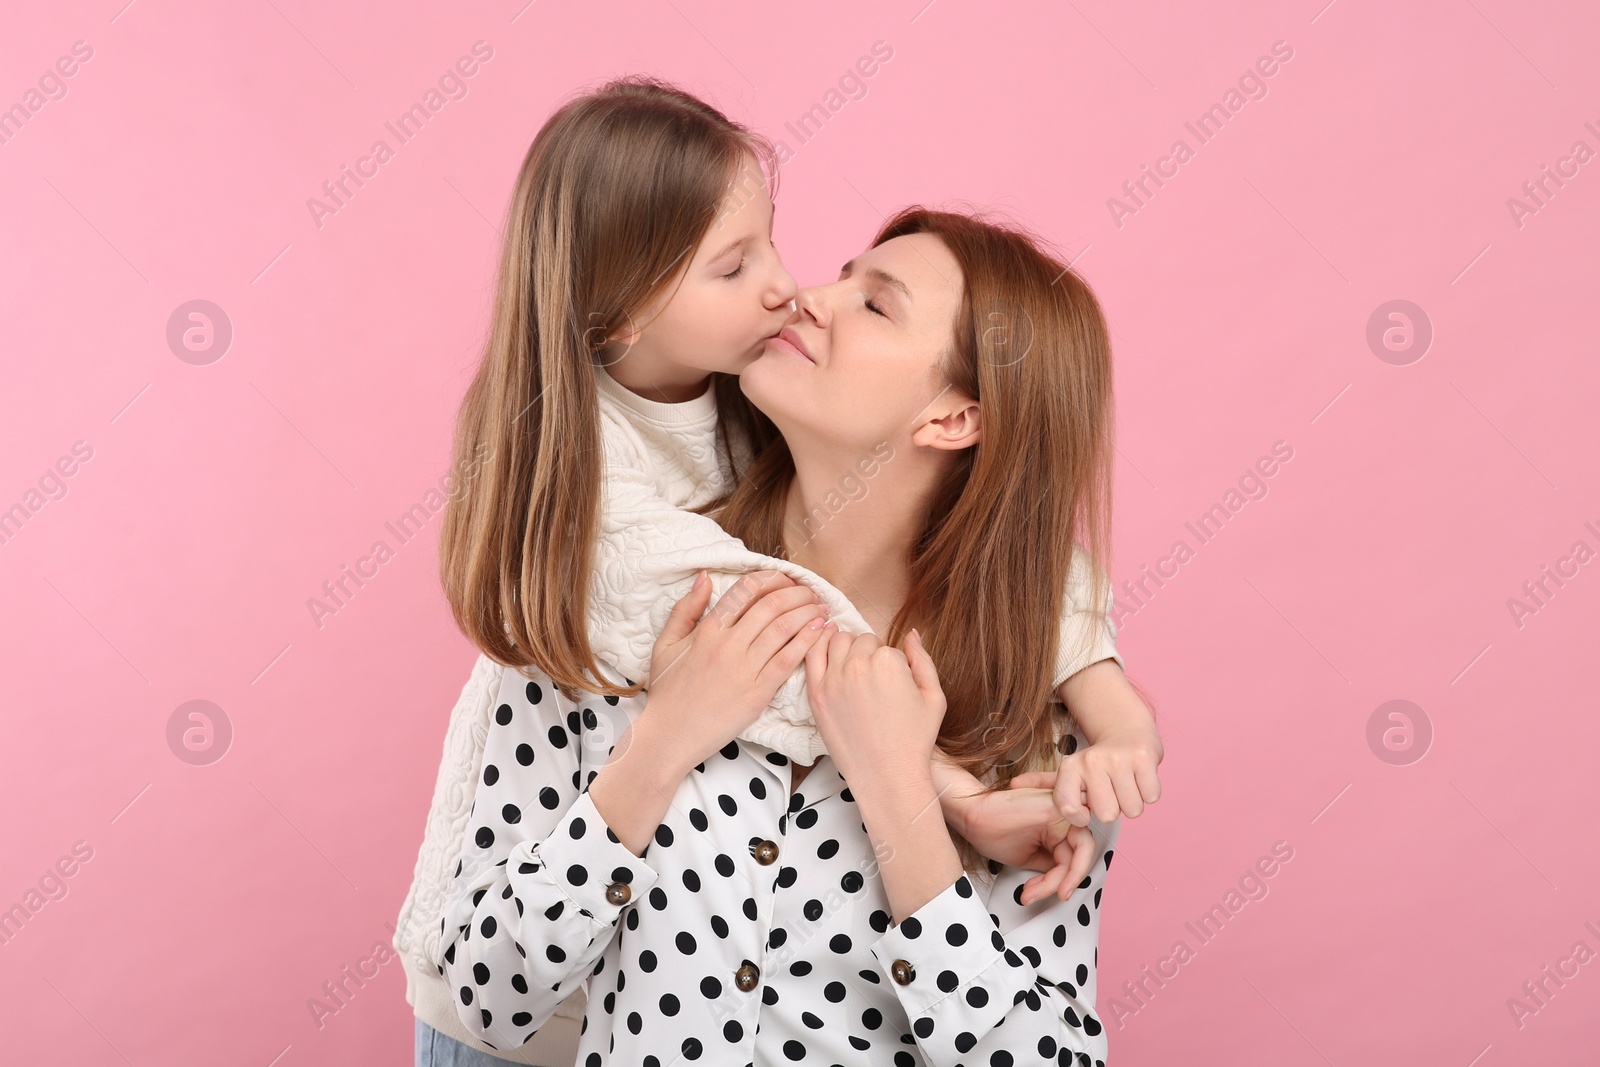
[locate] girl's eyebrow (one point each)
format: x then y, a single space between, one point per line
729 247
882 276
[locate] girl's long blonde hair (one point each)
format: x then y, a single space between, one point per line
989 566
613 197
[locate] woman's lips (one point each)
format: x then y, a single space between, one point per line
789 340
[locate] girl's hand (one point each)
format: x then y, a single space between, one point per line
710 679
1116 774
878 708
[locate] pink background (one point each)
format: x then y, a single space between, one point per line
179 563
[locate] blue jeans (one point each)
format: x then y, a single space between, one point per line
441 1050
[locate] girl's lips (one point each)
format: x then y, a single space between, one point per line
789 341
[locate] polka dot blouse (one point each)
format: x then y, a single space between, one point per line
754 929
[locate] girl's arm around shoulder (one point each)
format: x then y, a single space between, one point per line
1116 773
650 550
652 546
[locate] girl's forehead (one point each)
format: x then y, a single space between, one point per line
747 194
746 211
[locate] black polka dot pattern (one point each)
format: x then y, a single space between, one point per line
698 951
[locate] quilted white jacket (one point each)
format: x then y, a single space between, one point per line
660 459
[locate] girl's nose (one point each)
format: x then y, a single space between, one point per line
783 288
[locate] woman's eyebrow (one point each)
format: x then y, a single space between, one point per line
883 276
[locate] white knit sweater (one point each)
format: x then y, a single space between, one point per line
660 459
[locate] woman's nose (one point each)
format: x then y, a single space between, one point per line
812 302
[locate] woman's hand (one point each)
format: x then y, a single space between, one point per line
878 708
1019 827
710 679
1074 855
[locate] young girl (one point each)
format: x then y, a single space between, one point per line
638 277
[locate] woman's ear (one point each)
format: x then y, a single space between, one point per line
952 424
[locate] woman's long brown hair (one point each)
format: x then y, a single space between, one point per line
989 567
613 196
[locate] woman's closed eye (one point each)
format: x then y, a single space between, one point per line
874 308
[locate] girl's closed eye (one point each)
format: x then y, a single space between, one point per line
736 271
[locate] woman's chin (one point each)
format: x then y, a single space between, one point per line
769 382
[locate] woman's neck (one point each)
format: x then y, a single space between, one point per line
856 531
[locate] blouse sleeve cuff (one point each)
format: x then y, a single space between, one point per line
589 863
951 947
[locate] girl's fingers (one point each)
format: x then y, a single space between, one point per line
1149 783
1070 787
1102 797
1128 798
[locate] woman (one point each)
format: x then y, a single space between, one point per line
719 901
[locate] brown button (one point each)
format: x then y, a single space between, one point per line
902 972
766 852
618 893
746 977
